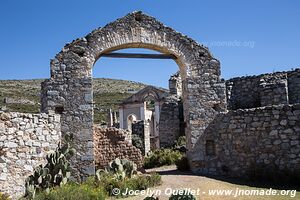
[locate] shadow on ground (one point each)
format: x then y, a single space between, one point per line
237 181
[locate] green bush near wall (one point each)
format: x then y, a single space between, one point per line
161 157
73 192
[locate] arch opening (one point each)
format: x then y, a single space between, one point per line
156 48
130 120
147 103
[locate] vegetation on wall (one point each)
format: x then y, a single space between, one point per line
138 142
180 144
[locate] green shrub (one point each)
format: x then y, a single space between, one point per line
161 157
144 181
93 188
119 174
4 196
151 198
180 144
141 182
183 164
181 141
182 195
73 192
138 142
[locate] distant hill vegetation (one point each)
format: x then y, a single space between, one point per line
24 95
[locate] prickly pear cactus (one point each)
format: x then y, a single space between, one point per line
56 172
129 167
119 168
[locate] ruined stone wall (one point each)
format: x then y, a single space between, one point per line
263 90
73 99
294 86
239 141
273 89
111 143
138 128
25 140
243 92
175 84
169 122
138 138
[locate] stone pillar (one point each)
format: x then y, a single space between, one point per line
142 111
175 84
110 119
147 137
115 118
121 118
157 111
156 123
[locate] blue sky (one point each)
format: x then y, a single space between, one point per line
248 37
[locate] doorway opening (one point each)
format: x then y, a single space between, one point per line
137 103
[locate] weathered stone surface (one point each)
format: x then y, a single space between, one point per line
170 121
252 145
23 147
111 143
263 90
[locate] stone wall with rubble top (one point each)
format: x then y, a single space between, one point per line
111 143
170 121
239 141
263 90
25 140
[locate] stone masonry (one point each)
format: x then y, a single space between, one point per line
171 116
242 140
169 122
263 90
175 84
259 129
111 143
25 140
69 89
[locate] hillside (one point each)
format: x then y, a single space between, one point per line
24 95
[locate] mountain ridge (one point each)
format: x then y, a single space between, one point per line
24 95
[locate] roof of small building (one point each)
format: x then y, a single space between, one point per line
155 93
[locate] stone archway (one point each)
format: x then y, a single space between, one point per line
70 87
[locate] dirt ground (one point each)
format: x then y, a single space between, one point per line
172 180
